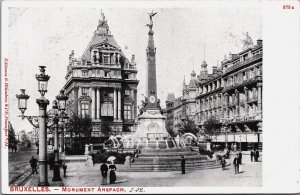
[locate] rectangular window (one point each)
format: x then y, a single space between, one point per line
84 73
126 76
85 91
84 109
127 92
127 112
106 59
106 74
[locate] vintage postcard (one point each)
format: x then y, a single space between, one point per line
150 97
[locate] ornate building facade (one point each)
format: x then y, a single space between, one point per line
232 94
103 84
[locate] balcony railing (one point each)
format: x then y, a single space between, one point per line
242 63
129 120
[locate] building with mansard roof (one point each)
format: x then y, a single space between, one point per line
231 94
102 83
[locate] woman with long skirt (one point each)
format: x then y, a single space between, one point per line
112 176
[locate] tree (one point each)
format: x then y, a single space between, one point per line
211 127
188 126
12 141
81 126
170 127
24 138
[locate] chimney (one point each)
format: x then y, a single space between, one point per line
259 42
214 69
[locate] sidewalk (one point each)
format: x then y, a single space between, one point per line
34 180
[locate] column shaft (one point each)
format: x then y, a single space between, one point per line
135 104
115 104
79 95
98 104
246 100
259 98
238 103
76 100
119 104
43 171
93 102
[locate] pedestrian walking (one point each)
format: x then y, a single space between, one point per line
65 169
33 164
223 162
37 151
112 175
236 164
227 154
93 158
252 154
104 170
240 157
182 165
256 155
234 147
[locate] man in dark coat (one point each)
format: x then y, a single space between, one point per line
51 162
182 165
236 164
223 162
256 155
104 169
240 157
33 164
252 155
65 169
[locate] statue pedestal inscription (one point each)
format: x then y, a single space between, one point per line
151 125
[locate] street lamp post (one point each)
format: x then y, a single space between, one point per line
62 101
56 170
39 122
225 124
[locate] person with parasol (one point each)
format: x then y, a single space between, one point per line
112 170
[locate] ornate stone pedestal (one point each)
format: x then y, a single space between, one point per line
151 125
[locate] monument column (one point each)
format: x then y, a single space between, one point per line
98 103
115 104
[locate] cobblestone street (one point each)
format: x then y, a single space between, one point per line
19 167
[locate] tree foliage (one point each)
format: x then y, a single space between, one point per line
188 126
12 141
80 126
211 127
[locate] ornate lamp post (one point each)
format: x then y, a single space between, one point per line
39 122
225 124
62 101
56 171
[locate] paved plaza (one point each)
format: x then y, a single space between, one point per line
79 175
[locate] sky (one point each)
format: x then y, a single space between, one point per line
45 36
